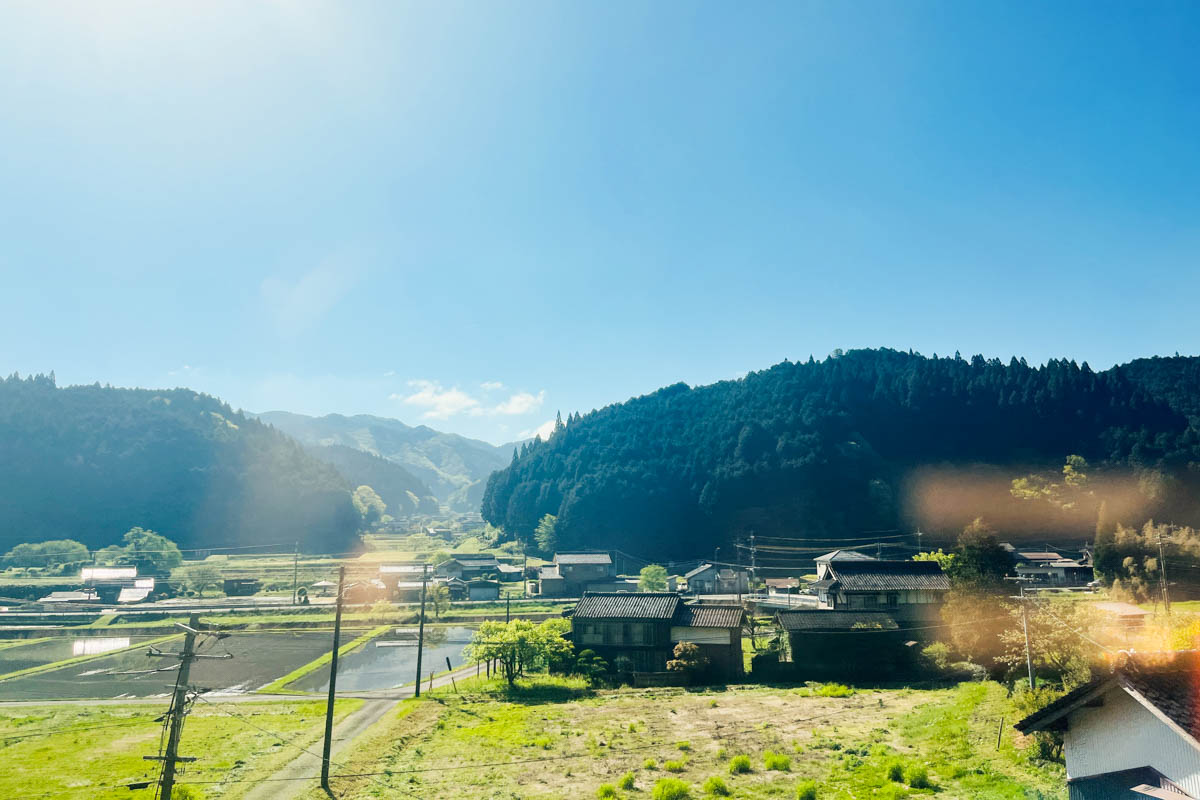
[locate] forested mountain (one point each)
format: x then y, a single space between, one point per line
90 462
402 491
455 467
864 441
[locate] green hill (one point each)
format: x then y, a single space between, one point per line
90 462
402 491
870 440
454 467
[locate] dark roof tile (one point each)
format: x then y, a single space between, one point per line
710 616
626 605
818 621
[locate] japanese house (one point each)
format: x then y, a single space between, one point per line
571 573
1133 733
713 579
907 590
638 632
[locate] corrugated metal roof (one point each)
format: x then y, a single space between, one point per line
1119 785
107 573
475 561
626 605
710 616
817 620
889 575
697 570
582 558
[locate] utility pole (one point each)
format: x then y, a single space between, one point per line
507 609
753 566
295 571
178 710
1025 627
524 569
333 665
1162 577
919 535
421 631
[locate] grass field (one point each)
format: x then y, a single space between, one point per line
92 752
559 740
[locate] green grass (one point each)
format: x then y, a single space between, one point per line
95 750
839 747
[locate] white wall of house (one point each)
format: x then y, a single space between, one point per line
685 633
1124 734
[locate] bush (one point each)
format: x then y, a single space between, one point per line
671 789
684 746
895 771
716 787
807 790
777 761
649 763
626 781
916 776
834 690
739 765
937 654
606 790
673 766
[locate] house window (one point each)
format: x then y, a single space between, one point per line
893 600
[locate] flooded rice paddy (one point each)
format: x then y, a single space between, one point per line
390 660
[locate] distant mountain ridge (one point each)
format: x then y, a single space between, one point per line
454 467
863 441
402 492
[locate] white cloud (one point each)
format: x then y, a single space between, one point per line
520 403
297 305
542 431
439 402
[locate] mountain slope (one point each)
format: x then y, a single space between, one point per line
455 467
88 463
402 491
869 440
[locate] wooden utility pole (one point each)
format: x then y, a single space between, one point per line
178 709
1025 627
1162 577
333 665
421 631
295 571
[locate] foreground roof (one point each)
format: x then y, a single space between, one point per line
1166 683
817 620
710 616
875 575
626 605
583 557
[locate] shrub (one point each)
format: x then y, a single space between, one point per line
739 765
777 761
716 787
895 771
671 789
834 690
649 763
937 654
720 753
673 766
916 776
606 790
684 746
626 781
807 790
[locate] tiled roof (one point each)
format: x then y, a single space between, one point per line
1040 555
889 575
710 616
476 561
817 620
582 558
844 555
626 605
1168 681
549 573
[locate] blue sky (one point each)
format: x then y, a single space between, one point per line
473 215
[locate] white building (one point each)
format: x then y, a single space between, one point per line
1131 734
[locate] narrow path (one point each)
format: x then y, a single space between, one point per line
300 774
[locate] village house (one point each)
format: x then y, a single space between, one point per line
907 590
1049 568
116 584
241 587
572 573
469 568
713 579
637 632
480 589
1133 733
843 645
